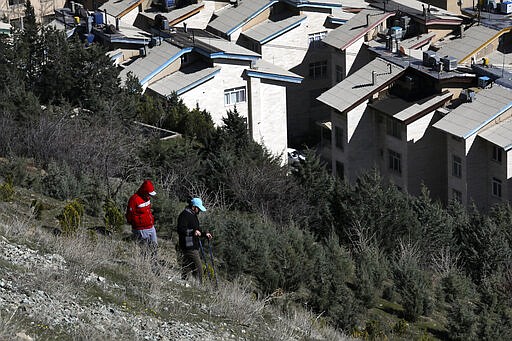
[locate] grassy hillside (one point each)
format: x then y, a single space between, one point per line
93 287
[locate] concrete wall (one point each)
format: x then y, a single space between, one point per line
339 155
268 115
456 147
361 146
210 95
42 9
265 108
291 51
426 153
481 171
351 53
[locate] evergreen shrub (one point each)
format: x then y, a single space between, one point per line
60 182
411 281
113 218
71 216
7 190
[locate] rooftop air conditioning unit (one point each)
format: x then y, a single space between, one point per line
449 63
396 32
483 81
467 96
506 7
428 56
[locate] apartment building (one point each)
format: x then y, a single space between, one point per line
216 75
376 124
289 34
478 139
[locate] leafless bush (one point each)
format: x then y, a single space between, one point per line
302 324
215 199
445 262
233 301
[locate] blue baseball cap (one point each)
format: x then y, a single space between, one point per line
197 202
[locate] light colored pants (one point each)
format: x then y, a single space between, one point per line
147 235
148 240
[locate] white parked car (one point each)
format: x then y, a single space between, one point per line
294 156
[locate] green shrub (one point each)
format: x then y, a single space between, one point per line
371 271
70 217
411 281
401 327
113 218
7 190
462 320
60 182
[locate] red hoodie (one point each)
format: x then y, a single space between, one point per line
138 212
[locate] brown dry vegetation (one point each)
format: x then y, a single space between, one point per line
91 287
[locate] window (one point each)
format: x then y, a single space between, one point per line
235 95
457 166
496 154
315 39
393 128
338 136
456 195
340 170
339 74
318 70
496 187
395 163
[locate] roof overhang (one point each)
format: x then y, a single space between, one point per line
197 83
164 65
366 30
319 4
252 16
284 30
489 120
273 76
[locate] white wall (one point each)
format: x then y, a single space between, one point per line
270 129
417 129
353 118
267 100
289 49
351 54
210 95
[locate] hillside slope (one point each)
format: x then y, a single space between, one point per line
95 287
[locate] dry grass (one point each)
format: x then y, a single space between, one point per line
119 272
9 325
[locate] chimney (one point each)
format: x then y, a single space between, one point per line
185 26
374 77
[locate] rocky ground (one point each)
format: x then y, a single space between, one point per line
45 296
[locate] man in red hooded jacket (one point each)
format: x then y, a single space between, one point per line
140 217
